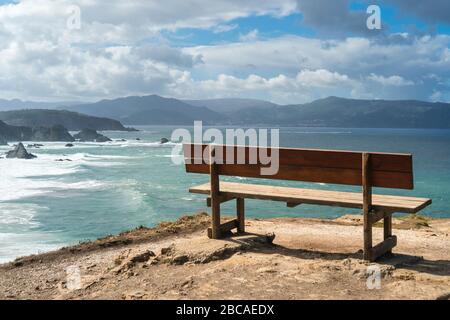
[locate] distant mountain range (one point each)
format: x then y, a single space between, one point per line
231 106
328 112
16 104
149 110
352 113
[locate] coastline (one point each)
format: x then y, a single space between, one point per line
47 203
175 260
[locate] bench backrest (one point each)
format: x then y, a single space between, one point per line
386 170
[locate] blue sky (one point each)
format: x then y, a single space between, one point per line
393 18
286 51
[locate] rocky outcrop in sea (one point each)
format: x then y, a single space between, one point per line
14 133
54 133
73 121
90 135
19 152
35 145
19 133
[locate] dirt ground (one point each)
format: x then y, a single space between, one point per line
307 259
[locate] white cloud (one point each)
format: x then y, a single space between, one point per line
362 61
323 78
153 14
300 88
352 55
395 80
225 28
119 50
251 36
436 96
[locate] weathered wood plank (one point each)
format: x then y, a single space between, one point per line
376 216
319 197
240 210
322 166
222 198
384 247
292 204
367 205
215 196
396 162
383 179
387 229
224 227
387 226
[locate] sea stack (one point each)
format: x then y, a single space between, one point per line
19 152
91 136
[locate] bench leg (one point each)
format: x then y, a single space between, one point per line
240 209
387 226
215 221
215 195
372 253
367 237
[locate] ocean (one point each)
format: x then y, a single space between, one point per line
111 187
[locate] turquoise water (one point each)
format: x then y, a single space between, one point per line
112 187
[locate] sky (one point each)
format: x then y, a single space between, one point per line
285 51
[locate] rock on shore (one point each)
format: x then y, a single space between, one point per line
20 152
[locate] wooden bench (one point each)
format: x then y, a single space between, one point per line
366 169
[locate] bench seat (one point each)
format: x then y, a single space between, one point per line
289 195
